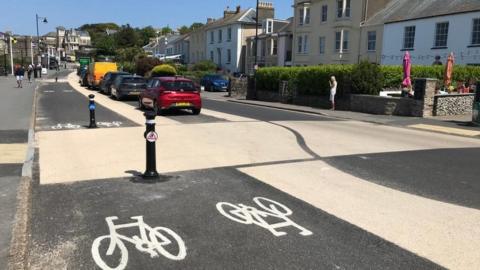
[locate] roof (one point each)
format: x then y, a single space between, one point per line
51 34
405 10
244 16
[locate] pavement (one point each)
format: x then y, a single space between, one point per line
454 125
15 120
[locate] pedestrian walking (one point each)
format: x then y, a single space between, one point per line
333 91
19 73
39 70
29 73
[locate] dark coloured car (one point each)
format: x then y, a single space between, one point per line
82 73
128 85
108 80
214 83
165 93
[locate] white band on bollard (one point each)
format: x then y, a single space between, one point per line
150 122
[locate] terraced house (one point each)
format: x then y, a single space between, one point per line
330 31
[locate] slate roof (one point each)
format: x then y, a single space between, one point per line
405 10
245 16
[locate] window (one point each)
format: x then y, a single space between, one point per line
269 26
372 41
409 38
300 16
338 41
229 34
300 44
211 56
322 45
229 56
441 34
307 15
220 34
324 13
345 40
274 47
343 8
476 32
305 44
212 37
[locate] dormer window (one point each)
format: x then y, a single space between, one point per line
268 26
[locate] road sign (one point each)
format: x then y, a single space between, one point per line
84 61
152 136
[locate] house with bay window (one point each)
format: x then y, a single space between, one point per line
330 31
430 28
226 38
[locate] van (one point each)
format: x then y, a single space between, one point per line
97 70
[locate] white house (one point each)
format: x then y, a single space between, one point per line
226 38
430 28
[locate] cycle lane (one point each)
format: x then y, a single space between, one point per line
67 218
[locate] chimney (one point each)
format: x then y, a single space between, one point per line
265 11
237 10
210 20
228 13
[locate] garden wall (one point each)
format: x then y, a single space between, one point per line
459 104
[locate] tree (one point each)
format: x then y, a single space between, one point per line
126 37
129 54
166 30
105 45
195 26
145 35
184 30
145 64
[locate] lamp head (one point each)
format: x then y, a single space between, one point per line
45 20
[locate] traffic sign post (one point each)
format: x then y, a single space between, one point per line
151 137
91 108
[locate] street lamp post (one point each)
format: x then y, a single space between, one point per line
256 39
44 20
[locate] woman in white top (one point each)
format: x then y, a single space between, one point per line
333 91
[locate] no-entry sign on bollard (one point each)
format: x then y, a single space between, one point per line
91 108
151 137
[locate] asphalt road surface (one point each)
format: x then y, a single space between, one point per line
235 216
60 107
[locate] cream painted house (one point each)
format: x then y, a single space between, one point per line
331 31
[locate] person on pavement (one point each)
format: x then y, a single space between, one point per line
19 73
29 73
39 70
333 91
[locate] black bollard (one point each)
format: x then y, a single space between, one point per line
91 107
151 137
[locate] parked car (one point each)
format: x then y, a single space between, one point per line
83 73
96 72
128 85
165 93
214 82
108 80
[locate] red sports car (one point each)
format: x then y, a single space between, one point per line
165 93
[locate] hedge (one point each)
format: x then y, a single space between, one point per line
313 80
163 70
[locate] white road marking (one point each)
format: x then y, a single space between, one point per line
250 215
110 124
154 243
68 91
49 91
65 126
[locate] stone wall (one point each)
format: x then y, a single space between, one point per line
239 88
385 105
459 104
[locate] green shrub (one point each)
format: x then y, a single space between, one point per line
367 79
363 78
146 64
206 65
163 70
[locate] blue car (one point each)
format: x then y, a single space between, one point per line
214 83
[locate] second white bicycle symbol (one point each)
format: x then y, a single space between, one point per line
153 241
250 215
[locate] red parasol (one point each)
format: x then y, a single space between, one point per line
407 67
447 77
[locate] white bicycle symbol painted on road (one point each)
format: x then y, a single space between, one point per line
155 243
250 215
110 124
65 126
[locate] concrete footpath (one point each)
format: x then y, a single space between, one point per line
454 125
15 121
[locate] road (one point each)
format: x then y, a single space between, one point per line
248 188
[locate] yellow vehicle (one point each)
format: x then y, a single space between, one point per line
97 70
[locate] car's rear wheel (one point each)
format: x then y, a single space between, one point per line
196 111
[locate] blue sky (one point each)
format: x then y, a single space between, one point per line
19 15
